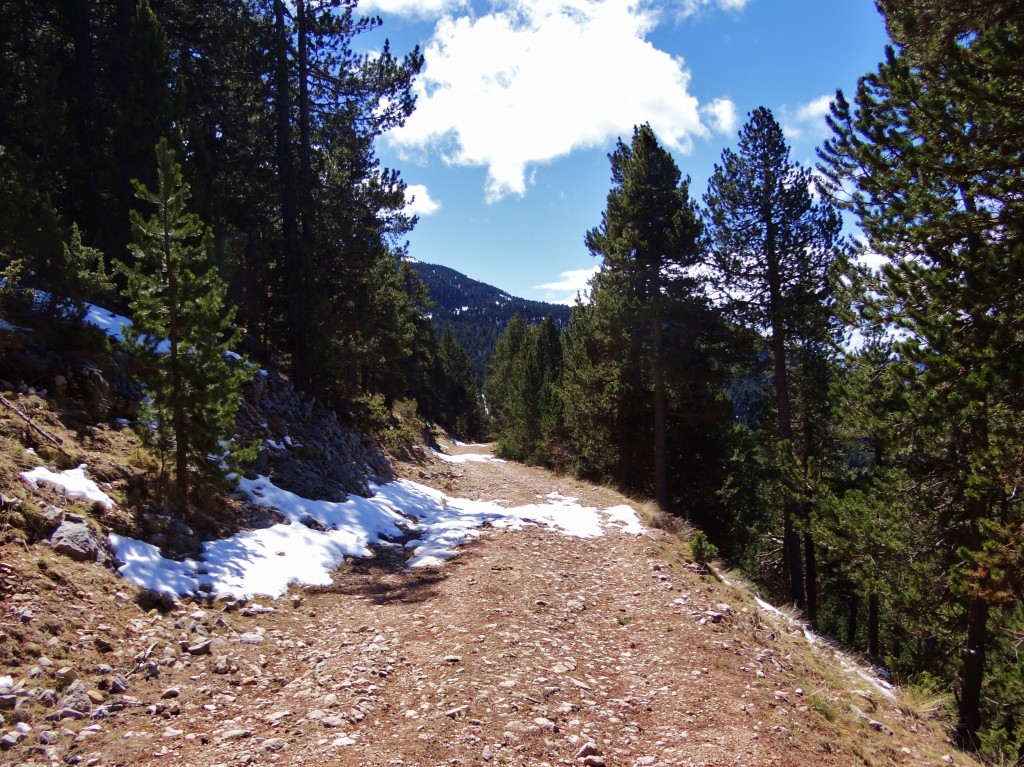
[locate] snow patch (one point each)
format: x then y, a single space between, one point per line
267 561
72 481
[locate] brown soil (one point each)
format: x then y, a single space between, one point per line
523 650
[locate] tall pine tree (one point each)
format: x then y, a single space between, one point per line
772 246
931 154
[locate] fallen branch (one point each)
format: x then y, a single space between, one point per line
30 422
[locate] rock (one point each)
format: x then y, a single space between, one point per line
10 740
80 542
199 648
250 638
594 761
456 712
118 684
588 749
95 696
76 698
8 702
102 644
170 692
48 737
342 742
453 659
274 744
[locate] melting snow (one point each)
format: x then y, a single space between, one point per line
267 561
73 482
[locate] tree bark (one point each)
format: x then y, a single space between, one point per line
293 277
811 575
660 416
852 614
874 649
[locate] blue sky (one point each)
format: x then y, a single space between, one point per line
520 102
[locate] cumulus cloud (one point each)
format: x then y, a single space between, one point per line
564 290
417 9
535 80
419 202
721 115
807 120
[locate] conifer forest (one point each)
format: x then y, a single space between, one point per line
849 435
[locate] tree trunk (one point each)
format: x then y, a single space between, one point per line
293 277
851 619
660 416
178 417
874 649
971 675
811 576
791 539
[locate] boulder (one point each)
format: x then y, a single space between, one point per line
80 542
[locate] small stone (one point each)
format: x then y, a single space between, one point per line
118 684
48 737
104 670
274 744
343 741
333 721
95 696
10 740
594 761
236 734
250 638
456 712
170 692
453 659
200 648
588 749
102 644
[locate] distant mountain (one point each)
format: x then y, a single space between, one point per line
477 313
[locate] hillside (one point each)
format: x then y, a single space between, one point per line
477 313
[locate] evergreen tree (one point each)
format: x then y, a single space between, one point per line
772 247
182 333
649 242
930 154
459 400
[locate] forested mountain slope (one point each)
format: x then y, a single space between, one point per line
476 313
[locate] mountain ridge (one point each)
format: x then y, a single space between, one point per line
476 313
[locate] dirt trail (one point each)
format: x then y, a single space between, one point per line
530 648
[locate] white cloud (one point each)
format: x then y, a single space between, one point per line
690 7
536 80
419 202
721 115
417 9
807 120
564 290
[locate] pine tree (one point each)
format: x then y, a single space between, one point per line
930 152
182 334
459 400
772 247
649 241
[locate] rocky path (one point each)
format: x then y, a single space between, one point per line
531 648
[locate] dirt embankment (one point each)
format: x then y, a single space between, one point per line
531 648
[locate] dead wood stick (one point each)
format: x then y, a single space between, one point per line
30 422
